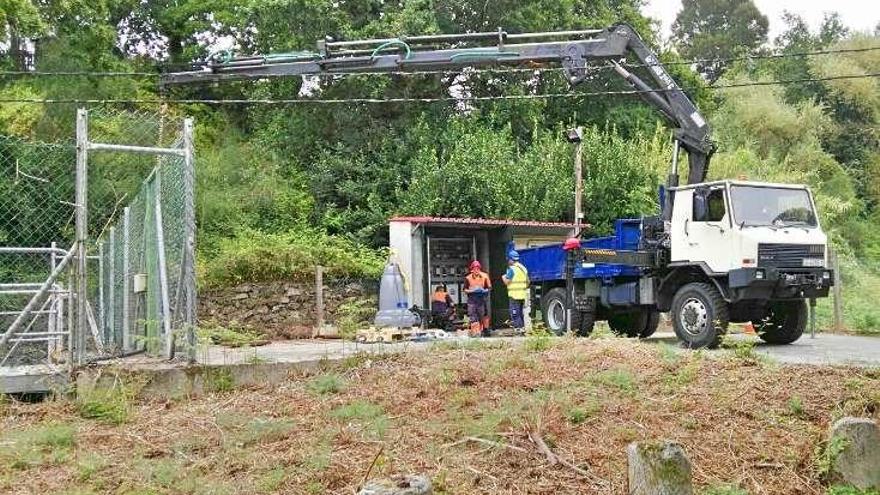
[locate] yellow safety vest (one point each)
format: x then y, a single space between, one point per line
519 284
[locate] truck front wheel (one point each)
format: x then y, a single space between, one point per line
699 315
553 310
784 322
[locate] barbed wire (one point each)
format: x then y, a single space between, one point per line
463 98
473 71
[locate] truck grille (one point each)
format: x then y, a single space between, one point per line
791 255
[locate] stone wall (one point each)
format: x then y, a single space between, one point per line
281 310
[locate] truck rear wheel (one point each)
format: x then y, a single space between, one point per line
784 322
641 323
699 315
553 309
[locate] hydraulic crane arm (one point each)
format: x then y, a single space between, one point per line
574 50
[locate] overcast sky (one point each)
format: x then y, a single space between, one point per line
856 14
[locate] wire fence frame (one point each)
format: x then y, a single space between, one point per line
42 319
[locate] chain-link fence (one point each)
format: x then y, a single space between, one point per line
36 205
97 240
146 279
36 228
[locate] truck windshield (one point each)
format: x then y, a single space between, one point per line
772 206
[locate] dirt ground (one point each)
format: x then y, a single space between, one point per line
748 425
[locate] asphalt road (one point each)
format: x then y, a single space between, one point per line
825 349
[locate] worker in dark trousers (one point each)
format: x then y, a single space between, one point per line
443 308
517 281
477 286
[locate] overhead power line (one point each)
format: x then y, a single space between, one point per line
498 70
74 73
295 101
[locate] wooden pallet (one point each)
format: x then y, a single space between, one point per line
393 334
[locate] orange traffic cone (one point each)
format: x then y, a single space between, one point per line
749 329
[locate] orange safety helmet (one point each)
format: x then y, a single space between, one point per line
475 265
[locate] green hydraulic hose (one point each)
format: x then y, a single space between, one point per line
395 42
482 54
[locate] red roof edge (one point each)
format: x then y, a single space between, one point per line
481 221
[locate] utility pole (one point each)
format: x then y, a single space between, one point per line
575 136
578 187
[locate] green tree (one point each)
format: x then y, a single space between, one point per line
19 21
855 107
709 30
479 171
797 39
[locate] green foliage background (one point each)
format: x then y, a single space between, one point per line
283 187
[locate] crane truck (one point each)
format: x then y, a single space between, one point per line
719 251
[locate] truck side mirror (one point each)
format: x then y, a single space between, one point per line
701 205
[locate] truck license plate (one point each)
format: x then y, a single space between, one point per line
813 262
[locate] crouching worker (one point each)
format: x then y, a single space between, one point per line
517 281
477 286
443 308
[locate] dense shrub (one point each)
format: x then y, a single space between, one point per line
253 256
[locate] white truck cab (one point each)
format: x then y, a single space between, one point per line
728 225
743 251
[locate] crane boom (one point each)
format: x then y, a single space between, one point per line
574 50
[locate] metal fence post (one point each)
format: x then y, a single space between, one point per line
165 310
102 309
109 332
59 321
189 258
126 277
82 145
837 291
52 324
319 301
151 305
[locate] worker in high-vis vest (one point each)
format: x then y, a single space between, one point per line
517 281
477 286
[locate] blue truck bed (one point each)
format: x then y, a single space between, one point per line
547 263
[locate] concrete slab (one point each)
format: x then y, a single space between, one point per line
221 369
305 350
32 379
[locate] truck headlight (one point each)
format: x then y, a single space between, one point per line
759 274
826 275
